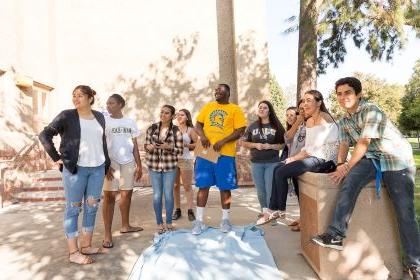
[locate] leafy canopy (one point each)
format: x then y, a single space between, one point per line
387 96
377 26
410 113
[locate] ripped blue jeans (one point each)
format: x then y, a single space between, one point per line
82 191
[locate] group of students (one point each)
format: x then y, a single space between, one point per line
313 142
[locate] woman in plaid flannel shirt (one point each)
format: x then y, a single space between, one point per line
163 145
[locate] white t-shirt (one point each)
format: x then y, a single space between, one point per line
91 150
119 138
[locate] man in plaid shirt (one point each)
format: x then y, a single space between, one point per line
380 151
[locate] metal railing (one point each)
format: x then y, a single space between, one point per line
16 163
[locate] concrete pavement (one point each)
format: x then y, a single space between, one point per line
32 243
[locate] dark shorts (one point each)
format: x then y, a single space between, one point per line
221 174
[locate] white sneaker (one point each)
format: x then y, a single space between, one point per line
225 226
198 227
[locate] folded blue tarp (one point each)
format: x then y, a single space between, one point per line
239 254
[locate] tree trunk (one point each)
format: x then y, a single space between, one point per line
307 49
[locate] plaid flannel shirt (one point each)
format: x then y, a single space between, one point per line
387 143
161 160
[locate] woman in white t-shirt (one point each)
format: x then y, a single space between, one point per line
83 160
121 135
185 165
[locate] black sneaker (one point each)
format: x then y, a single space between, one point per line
328 241
177 214
191 216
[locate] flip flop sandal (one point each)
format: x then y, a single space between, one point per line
132 229
91 251
107 244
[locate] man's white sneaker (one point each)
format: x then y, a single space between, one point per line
225 226
198 227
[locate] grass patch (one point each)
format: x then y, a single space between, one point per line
417 196
414 143
417 158
416 152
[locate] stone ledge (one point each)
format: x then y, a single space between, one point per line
371 249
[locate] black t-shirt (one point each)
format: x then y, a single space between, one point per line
266 134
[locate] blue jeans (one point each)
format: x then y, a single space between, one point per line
400 186
163 183
262 174
292 170
83 188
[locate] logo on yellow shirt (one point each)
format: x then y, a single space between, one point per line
217 118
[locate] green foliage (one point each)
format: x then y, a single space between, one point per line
387 96
375 25
410 115
412 16
277 98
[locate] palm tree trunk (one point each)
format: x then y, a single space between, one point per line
307 49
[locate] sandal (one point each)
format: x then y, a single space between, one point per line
161 229
268 217
296 228
89 250
294 223
79 258
107 244
170 227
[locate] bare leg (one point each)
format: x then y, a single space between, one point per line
72 244
225 198
177 190
125 204
186 177
202 196
108 214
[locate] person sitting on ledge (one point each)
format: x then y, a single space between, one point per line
318 155
380 151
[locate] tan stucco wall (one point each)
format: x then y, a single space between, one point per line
155 52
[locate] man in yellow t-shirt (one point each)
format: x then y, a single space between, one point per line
219 124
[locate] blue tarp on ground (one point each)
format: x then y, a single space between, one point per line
240 254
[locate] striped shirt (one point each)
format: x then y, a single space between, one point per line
387 143
161 160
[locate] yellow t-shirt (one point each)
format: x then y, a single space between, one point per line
220 120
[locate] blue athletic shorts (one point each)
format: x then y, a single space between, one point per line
221 174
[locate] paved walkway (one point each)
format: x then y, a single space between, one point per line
32 244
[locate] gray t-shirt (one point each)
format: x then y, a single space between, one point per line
266 134
298 142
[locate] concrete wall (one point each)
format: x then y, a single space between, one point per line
155 52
